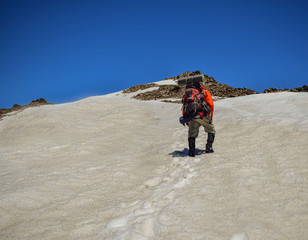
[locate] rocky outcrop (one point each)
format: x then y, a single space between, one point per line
177 92
300 89
216 89
272 90
139 87
17 107
163 92
185 74
223 90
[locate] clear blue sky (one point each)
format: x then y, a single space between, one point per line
66 50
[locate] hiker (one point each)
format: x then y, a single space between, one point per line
202 115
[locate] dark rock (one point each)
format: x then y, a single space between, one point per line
271 90
38 102
300 89
16 106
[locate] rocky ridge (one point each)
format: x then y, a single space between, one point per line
299 89
17 107
217 89
176 92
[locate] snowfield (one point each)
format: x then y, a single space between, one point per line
112 167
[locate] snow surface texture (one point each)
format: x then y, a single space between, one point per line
112 167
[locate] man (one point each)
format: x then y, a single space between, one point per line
205 119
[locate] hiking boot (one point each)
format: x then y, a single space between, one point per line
191 144
209 144
191 153
209 150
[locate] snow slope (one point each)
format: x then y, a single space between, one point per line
111 167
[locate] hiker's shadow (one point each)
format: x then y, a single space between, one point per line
184 152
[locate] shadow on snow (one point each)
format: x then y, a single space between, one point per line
184 152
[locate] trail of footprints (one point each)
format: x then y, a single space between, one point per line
146 215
